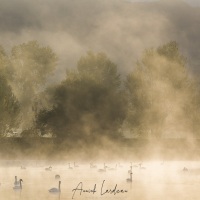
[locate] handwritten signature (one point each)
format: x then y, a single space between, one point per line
79 188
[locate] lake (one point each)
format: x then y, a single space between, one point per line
156 180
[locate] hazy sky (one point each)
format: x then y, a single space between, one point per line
191 2
119 28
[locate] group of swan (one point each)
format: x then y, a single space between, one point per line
18 186
106 167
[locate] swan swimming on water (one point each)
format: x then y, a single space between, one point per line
23 167
92 165
112 169
102 170
75 165
48 168
57 176
185 169
18 187
129 179
130 171
55 190
16 182
70 166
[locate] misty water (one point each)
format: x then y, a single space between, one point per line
155 180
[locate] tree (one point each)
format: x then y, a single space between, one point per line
32 64
88 104
159 90
9 106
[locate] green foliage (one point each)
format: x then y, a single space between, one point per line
9 106
32 64
89 103
158 90
5 65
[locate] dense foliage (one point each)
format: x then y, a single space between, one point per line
159 97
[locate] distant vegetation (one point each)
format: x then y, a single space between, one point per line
158 97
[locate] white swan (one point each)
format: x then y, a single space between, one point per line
102 170
69 166
112 169
75 165
23 167
130 171
57 176
48 168
141 166
16 182
185 169
55 190
129 179
18 187
92 165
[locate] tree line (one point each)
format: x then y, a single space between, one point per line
158 98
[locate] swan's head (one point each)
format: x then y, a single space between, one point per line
21 180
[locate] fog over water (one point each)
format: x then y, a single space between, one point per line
109 85
156 180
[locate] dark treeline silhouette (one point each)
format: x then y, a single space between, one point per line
159 98
89 103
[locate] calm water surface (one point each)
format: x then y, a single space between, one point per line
156 181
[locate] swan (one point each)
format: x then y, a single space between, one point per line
18 187
130 171
185 169
48 168
75 165
92 165
102 170
56 190
16 182
57 176
129 179
23 167
141 166
112 169
69 166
